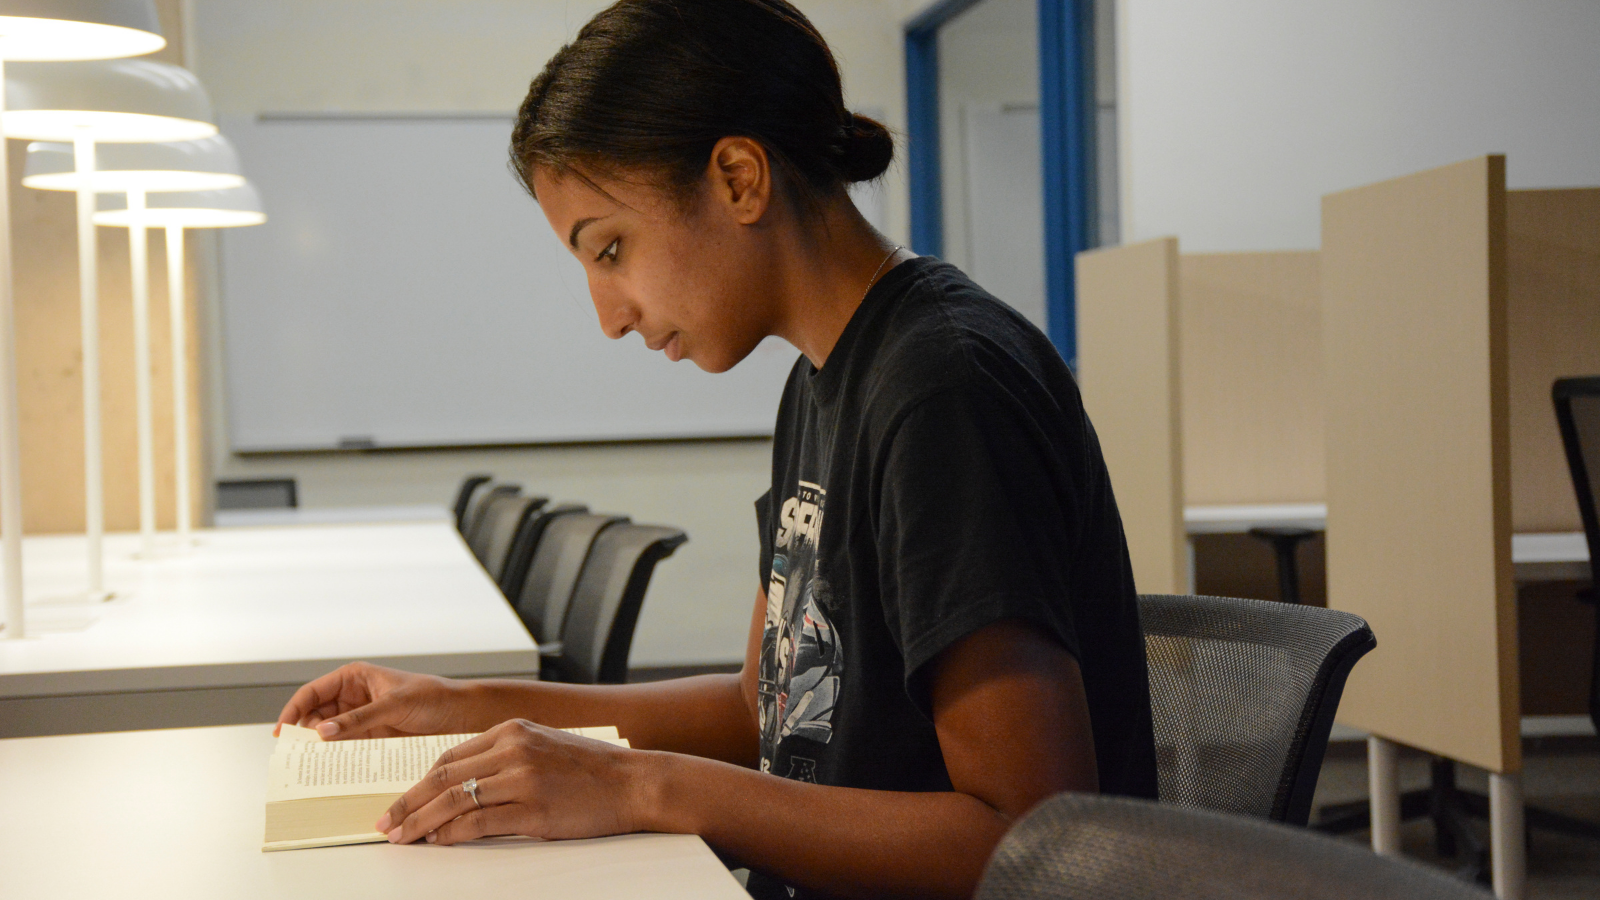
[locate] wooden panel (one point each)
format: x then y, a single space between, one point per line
1553 266
1129 372
1419 484
1252 378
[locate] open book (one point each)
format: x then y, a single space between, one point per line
326 793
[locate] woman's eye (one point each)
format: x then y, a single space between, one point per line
610 252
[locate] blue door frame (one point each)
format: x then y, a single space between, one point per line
1066 126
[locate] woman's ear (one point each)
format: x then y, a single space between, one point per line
741 178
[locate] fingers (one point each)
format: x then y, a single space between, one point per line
361 721
491 820
447 805
456 765
311 696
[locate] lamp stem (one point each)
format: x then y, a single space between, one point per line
10 439
180 378
94 500
139 255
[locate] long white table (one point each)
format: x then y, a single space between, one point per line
178 814
223 633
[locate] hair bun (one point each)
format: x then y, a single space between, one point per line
867 150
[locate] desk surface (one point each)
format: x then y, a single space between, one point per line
1562 556
178 814
254 606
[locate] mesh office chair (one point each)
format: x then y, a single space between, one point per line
526 543
546 592
605 604
1091 847
1243 695
1577 402
469 487
504 517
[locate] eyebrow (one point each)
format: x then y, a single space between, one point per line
581 224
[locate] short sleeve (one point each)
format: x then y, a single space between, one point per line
975 524
764 534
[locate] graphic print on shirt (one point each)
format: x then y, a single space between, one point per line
801 659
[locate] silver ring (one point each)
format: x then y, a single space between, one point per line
470 786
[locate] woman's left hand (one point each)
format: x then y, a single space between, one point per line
532 780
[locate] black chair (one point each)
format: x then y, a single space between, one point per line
1285 542
257 493
1092 847
605 604
541 602
1577 402
469 486
481 500
526 542
1243 695
504 516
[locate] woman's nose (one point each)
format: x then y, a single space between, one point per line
617 315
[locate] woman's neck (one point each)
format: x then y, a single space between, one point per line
824 275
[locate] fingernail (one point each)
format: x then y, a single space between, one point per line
394 836
383 824
328 729
433 838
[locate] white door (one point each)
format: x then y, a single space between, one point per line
1005 204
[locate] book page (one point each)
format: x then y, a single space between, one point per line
304 766
349 768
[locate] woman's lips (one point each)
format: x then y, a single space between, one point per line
674 348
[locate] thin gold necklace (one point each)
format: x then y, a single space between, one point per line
879 270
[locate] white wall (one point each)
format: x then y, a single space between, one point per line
479 55
1238 115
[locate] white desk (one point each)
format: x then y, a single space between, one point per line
224 633
1560 556
1240 519
179 814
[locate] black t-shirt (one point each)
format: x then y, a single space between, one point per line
937 475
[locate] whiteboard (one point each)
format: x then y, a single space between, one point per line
406 292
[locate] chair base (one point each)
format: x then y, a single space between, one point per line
1452 811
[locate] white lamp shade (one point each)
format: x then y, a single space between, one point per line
78 29
230 208
207 164
108 101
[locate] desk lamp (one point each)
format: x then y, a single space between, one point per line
112 102
45 30
175 211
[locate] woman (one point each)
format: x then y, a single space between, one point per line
946 630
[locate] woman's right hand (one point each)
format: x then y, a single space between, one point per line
361 700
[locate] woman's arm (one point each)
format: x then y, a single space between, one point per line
709 715
1013 726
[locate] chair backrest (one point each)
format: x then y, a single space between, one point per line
526 542
1243 695
546 592
1577 403
605 604
504 517
480 503
1096 847
257 493
469 486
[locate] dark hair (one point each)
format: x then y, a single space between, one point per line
650 86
